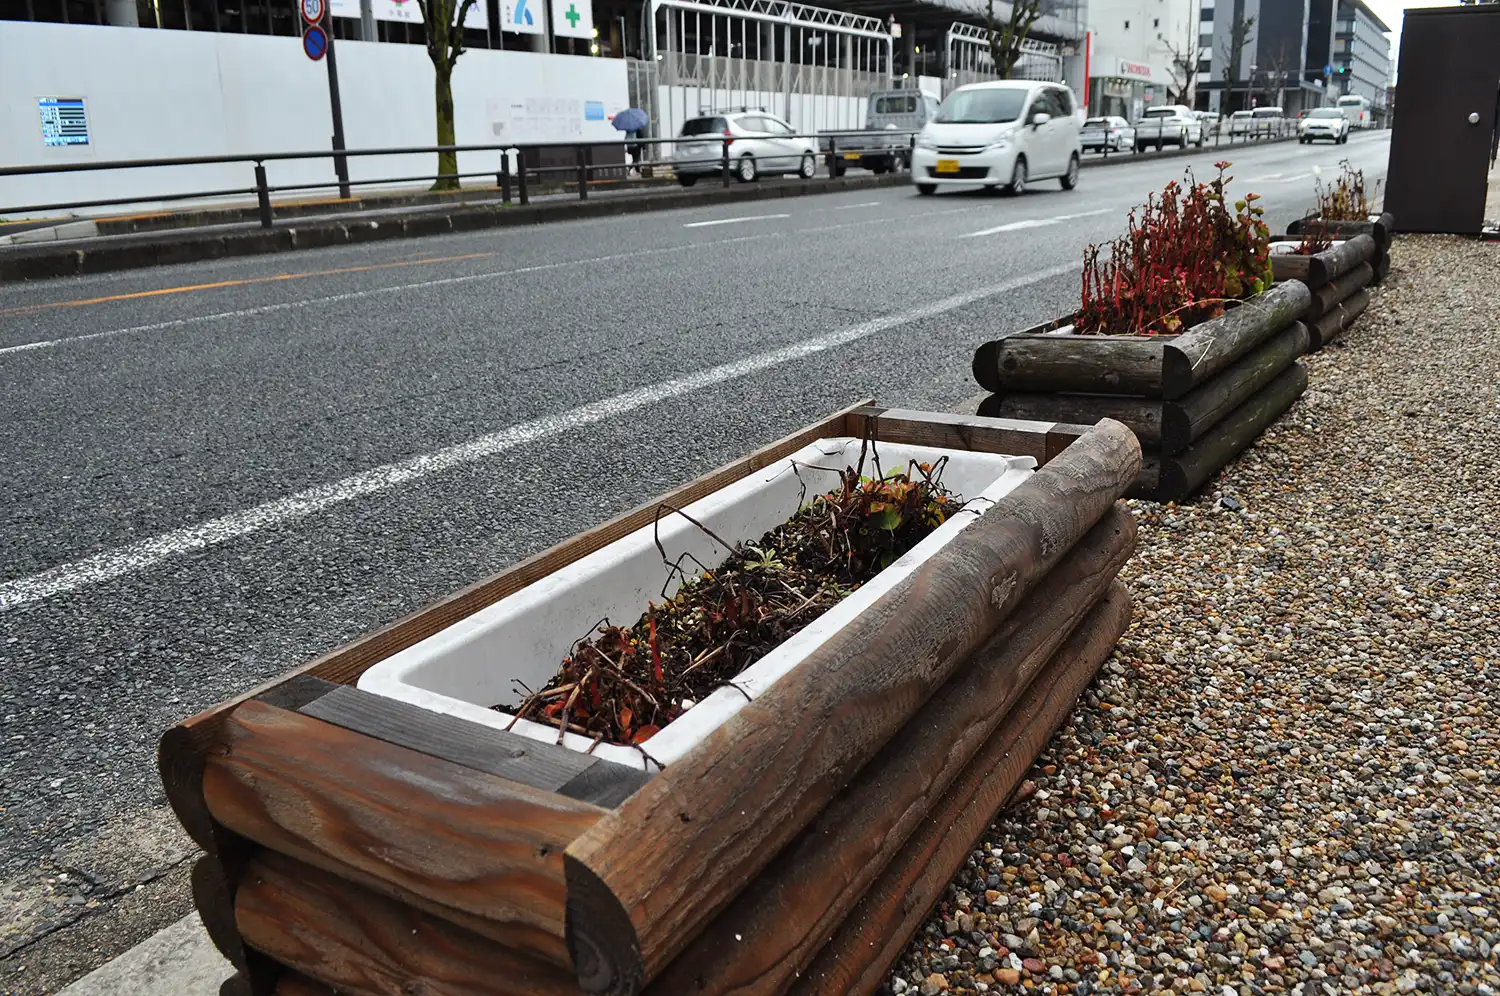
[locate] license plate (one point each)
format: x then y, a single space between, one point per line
851 155
947 165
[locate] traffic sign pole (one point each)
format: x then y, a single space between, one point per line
340 163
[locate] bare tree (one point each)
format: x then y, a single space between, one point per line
1278 71
1184 66
1234 47
444 21
1007 37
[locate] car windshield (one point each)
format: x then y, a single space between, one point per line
1267 112
1241 114
1326 112
984 105
1351 101
705 126
903 104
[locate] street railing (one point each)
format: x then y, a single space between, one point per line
1222 131
515 177
513 174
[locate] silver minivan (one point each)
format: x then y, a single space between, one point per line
759 143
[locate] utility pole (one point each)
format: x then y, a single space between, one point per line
340 163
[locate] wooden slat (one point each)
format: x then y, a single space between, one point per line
549 767
1334 324
182 749
420 826
1095 364
1191 416
1141 415
1183 474
768 935
979 434
1331 293
1205 349
653 872
358 941
862 951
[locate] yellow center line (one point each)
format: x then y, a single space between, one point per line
247 281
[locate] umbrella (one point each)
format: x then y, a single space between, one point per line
631 119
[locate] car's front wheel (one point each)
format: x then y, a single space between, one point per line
809 167
1017 185
926 189
745 171
687 181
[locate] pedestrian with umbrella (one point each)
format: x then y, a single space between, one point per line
633 122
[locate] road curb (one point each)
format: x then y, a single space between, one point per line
142 250
135 252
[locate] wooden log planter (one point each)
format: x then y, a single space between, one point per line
365 839
1380 227
1339 277
1194 400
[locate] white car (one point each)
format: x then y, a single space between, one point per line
759 143
1172 124
1002 134
1324 122
1106 133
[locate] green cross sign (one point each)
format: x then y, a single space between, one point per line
573 16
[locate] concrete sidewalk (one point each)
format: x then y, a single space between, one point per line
178 961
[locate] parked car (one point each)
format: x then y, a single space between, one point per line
1099 134
1324 122
894 114
1172 124
1240 123
1002 134
759 143
1210 122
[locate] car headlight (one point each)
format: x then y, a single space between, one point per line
923 142
1000 143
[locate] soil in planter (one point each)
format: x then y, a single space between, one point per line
621 685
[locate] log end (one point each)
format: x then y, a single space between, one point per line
990 406
180 761
601 938
986 366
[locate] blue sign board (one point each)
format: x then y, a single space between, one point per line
1328 69
315 42
593 110
65 121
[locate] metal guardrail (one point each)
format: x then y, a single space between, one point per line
511 181
515 183
1220 130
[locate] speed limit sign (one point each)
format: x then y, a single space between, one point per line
312 11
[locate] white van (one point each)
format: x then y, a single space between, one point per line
1002 134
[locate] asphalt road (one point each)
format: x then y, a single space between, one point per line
219 471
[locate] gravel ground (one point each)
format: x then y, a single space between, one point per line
1287 778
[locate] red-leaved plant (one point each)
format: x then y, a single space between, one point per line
1186 256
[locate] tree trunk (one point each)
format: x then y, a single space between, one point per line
447 161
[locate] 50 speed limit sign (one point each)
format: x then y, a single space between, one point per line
312 11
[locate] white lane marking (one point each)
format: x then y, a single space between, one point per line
1265 179
1295 177
266 309
861 204
111 564
1016 226
734 221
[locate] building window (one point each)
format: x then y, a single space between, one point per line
1155 21
1127 24
1206 15
1204 66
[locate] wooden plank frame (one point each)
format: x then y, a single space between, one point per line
1152 367
254 792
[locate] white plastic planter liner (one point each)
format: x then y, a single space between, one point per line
1288 248
477 661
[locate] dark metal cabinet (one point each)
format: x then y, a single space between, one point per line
1448 86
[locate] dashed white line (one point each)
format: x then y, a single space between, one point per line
861 204
147 553
735 221
1025 223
